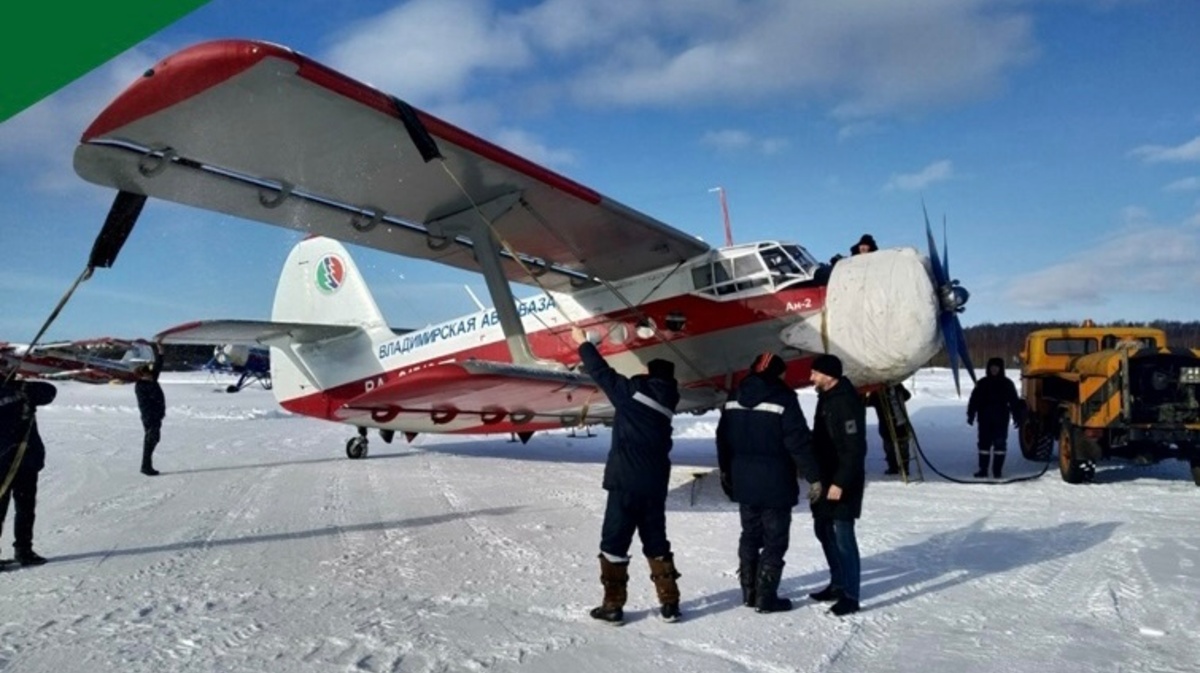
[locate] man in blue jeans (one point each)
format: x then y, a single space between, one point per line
840 449
635 476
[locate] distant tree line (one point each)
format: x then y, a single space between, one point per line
1006 340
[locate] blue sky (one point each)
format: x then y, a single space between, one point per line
1059 138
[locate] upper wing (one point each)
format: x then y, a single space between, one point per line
259 131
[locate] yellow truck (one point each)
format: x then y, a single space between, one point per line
1109 392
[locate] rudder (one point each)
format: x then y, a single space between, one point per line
321 284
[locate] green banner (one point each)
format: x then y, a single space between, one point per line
45 46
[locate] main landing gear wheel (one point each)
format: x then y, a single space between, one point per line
356 448
1073 470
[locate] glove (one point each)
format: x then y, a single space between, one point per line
970 420
814 493
727 485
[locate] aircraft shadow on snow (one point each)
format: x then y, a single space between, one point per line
324 531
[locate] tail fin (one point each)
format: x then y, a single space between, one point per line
320 284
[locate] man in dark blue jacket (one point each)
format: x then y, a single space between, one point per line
18 426
840 448
153 407
635 477
994 400
763 443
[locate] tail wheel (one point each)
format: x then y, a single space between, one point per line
1196 470
1072 471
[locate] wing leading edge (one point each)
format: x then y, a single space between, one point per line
261 132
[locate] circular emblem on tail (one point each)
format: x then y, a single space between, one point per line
331 273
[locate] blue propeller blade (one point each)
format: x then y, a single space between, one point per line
945 249
939 276
947 322
962 349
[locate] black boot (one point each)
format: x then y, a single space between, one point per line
768 588
664 574
25 556
748 576
615 578
997 465
826 595
844 606
984 459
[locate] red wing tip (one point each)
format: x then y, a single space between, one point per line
178 328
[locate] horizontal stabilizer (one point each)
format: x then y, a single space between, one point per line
253 333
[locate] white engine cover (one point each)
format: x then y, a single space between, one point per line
880 317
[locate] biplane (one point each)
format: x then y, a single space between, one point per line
264 133
103 360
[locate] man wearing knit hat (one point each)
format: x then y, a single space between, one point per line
865 244
635 476
840 449
763 443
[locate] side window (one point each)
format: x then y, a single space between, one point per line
702 277
1070 346
747 265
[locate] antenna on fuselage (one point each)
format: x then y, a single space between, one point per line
724 213
474 298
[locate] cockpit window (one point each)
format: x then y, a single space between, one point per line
747 269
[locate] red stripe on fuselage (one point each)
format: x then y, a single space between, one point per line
703 317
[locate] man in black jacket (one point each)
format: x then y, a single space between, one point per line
635 477
994 400
153 407
840 448
18 426
763 443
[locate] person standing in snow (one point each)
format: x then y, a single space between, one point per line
635 476
763 443
840 448
18 427
888 404
994 400
153 407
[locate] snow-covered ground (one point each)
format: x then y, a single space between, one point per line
262 548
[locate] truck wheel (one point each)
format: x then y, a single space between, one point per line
1071 470
1028 437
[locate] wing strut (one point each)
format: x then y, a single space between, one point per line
476 224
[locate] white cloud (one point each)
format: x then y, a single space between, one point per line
869 57
938 171
528 146
863 59
1191 184
735 140
859 129
1153 154
1138 260
426 50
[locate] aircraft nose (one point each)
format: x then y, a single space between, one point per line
880 317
